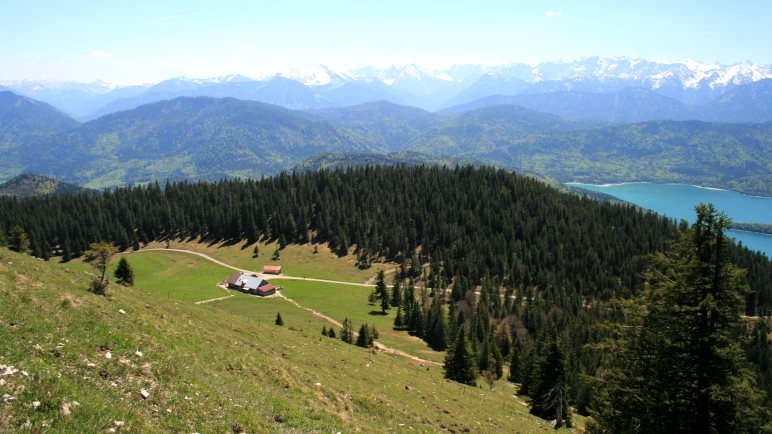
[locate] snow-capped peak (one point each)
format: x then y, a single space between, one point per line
318 75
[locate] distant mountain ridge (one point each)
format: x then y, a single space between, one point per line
184 138
211 138
747 103
319 86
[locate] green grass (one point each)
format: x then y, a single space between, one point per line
207 366
296 260
348 301
177 275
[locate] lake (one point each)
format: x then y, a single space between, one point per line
678 201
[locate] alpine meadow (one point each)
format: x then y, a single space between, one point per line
306 217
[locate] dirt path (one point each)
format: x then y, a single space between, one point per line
214 299
329 319
377 345
259 274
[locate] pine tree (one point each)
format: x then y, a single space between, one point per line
279 321
363 338
459 362
550 397
381 293
399 321
679 366
396 291
124 274
515 375
331 333
99 255
324 330
18 240
346 332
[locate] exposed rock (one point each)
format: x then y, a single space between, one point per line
144 394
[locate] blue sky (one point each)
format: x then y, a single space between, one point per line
145 41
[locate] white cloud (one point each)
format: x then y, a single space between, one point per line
101 53
552 14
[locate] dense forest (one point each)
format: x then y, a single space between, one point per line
496 267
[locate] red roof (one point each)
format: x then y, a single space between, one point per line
272 269
234 278
266 288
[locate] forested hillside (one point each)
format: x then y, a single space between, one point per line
510 267
186 138
26 185
210 139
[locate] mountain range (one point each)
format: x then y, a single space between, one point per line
689 83
211 138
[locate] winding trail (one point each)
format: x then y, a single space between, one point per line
329 319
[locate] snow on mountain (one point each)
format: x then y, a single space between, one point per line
317 75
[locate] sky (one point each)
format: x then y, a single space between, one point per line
147 41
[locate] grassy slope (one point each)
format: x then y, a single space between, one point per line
344 301
297 260
208 365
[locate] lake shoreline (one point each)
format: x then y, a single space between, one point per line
676 201
612 184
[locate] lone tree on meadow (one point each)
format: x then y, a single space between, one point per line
124 274
279 321
99 255
381 293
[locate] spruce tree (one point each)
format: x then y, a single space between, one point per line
279 321
324 330
363 338
346 332
381 293
399 321
396 291
459 363
514 362
550 397
679 366
18 240
124 274
99 255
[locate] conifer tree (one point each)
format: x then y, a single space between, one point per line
396 291
18 240
124 274
279 321
346 332
680 366
399 321
381 293
363 338
550 397
459 363
324 330
514 362
99 255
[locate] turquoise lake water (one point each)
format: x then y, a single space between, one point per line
678 201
